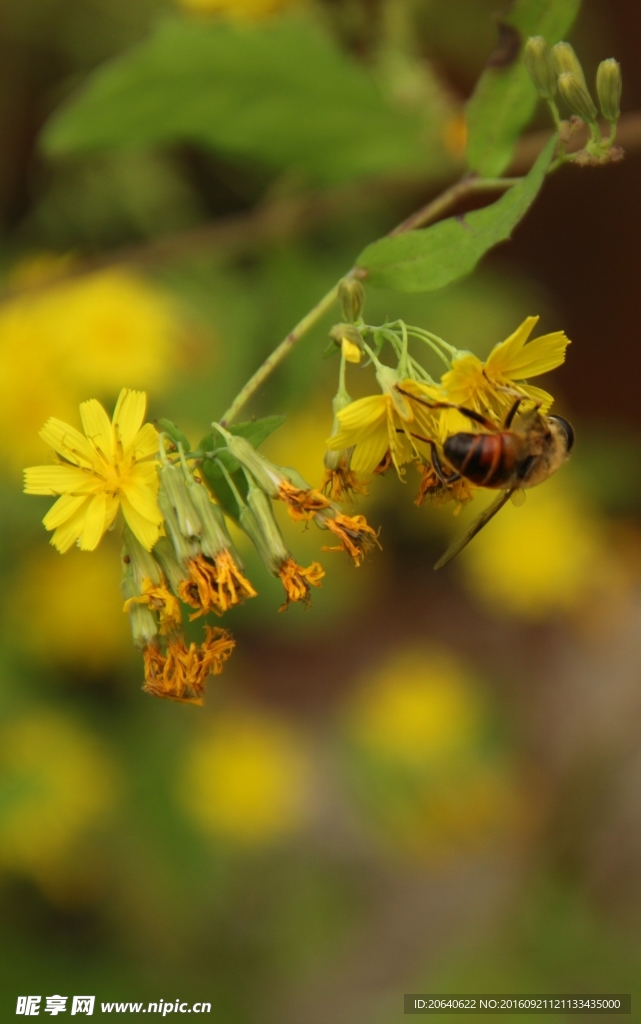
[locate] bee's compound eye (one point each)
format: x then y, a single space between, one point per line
567 429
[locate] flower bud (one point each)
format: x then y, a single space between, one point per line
351 296
265 473
577 97
215 536
538 61
184 548
172 482
565 59
258 521
608 87
143 623
142 564
350 341
173 569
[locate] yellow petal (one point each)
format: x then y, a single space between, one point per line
351 352
540 356
369 452
54 479
404 448
145 443
128 415
140 495
64 509
465 380
538 395
113 504
68 442
97 426
145 531
69 532
94 525
360 416
502 357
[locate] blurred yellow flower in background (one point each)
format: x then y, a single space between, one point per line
538 559
418 708
301 441
91 332
247 778
75 615
422 759
249 10
56 784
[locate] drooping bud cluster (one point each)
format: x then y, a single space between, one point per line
559 69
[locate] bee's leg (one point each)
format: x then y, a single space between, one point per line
471 415
443 477
438 468
512 413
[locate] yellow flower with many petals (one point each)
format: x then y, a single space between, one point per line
490 387
388 422
241 10
96 473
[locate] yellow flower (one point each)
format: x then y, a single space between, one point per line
480 386
247 778
59 783
381 423
85 335
98 472
536 561
243 10
75 617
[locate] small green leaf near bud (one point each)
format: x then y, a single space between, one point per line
608 87
538 61
577 97
174 433
351 296
565 59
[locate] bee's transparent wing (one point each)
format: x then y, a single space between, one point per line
457 546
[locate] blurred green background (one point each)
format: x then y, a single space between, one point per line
424 782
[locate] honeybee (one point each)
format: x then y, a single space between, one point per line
528 449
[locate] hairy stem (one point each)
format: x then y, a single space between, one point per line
420 218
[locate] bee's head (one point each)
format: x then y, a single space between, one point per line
566 430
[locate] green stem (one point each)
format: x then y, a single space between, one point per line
279 353
420 218
435 348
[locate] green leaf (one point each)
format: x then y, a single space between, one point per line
255 431
430 258
281 93
174 433
505 98
217 483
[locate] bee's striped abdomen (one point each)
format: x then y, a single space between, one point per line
487 460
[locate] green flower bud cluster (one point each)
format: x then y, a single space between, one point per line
558 69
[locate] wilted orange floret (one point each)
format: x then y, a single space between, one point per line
342 483
182 672
302 504
214 586
439 493
160 599
297 581
357 537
